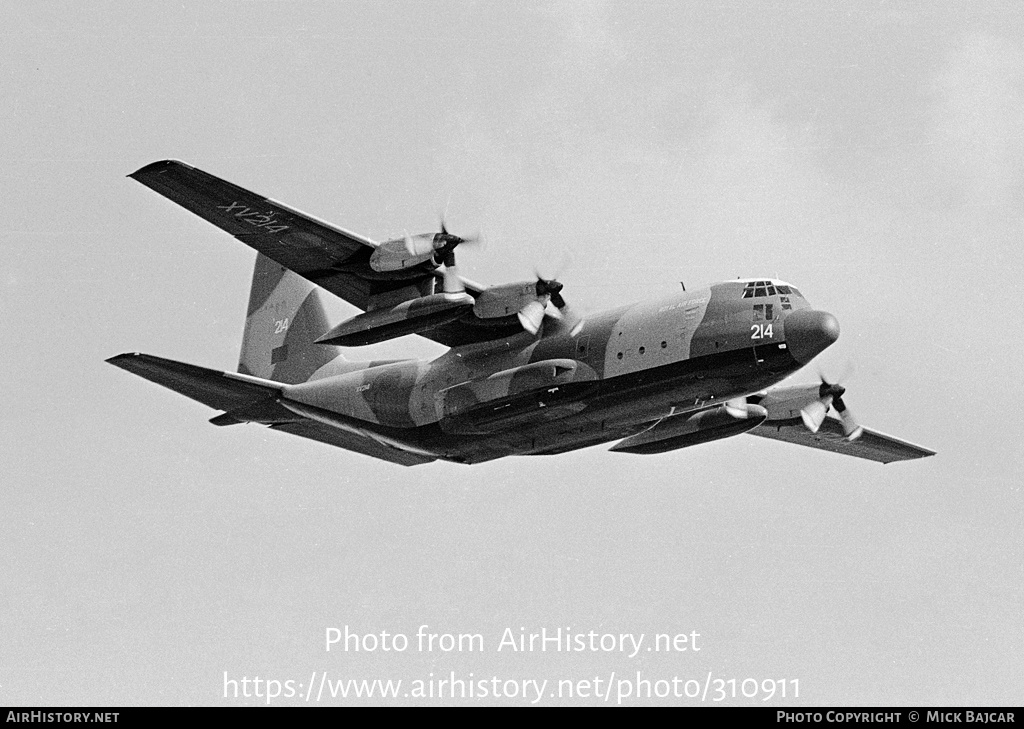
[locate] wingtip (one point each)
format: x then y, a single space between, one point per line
118 359
157 167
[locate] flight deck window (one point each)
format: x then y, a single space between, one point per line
760 289
768 312
758 312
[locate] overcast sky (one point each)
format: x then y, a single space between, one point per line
870 154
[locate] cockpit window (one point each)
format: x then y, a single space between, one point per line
758 289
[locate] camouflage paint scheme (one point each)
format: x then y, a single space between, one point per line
654 375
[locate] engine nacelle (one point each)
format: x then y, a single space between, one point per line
682 431
394 255
785 403
505 300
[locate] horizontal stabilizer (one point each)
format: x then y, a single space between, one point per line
250 399
220 390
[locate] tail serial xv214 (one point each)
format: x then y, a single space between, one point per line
523 374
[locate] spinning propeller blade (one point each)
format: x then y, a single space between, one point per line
549 297
418 246
444 244
814 414
737 407
452 283
531 316
830 394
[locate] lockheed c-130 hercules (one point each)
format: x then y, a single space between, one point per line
523 373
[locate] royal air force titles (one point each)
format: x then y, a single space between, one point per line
511 640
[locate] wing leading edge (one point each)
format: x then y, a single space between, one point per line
312 248
872 445
333 258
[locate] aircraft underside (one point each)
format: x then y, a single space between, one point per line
617 408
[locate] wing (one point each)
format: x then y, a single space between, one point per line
871 445
250 399
331 257
312 248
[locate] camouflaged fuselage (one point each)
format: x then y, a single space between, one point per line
626 369
522 375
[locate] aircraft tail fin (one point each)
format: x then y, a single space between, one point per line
284 318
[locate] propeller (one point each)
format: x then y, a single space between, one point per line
549 302
452 283
442 245
531 316
737 407
447 241
552 289
830 395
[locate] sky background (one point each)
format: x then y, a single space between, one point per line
871 154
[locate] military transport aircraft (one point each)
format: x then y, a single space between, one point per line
523 375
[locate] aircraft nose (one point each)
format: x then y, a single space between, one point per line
809 332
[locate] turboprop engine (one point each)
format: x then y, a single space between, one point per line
437 249
530 301
810 403
396 255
